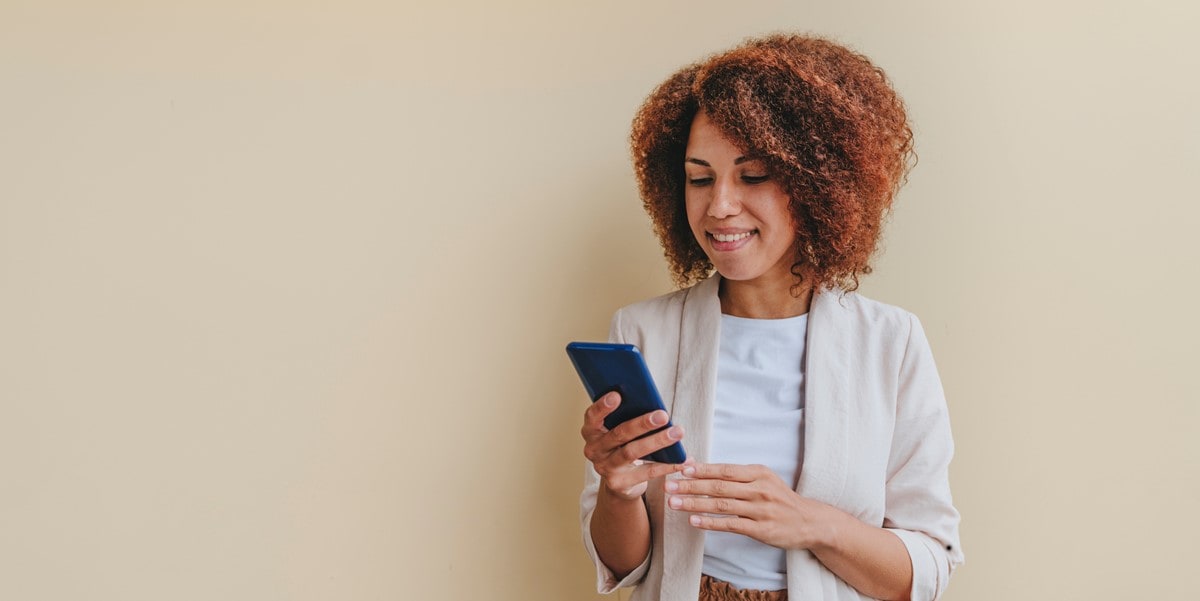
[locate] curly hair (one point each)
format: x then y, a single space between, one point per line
825 122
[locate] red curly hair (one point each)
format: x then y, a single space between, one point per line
825 122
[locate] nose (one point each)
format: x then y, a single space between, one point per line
726 201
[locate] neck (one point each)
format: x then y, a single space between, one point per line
758 299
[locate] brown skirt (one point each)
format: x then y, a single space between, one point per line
712 589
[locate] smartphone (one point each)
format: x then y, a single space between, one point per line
604 367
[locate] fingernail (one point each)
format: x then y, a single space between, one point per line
658 418
689 471
672 486
674 433
676 502
695 520
610 400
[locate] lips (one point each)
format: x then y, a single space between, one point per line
731 237
726 241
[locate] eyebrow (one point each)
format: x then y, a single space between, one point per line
737 161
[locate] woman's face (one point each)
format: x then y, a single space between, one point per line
738 214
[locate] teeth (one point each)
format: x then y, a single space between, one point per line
731 237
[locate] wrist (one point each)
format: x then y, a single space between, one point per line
614 497
830 529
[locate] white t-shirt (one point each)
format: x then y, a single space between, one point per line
758 418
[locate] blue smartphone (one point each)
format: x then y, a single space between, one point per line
605 367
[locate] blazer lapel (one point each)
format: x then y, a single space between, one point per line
692 408
696 372
826 400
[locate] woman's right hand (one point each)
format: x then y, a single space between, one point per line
616 454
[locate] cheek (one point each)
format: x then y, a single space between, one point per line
784 226
788 239
781 215
695 214
690 206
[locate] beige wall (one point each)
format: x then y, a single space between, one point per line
284 287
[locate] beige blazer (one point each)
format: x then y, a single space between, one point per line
877 438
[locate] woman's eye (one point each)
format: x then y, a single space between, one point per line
700 181
755 179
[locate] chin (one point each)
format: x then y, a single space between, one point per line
739 275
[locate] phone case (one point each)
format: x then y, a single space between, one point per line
604 367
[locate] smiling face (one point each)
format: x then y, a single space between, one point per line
738 214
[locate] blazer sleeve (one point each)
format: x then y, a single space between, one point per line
606 581
919 508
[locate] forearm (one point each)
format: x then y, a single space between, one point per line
872 560
620 531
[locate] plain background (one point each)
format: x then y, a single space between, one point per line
284 286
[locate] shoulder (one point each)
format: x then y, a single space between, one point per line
889 342
658 317
655 308
648 319
670 306
870 315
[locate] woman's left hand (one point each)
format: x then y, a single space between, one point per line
756 503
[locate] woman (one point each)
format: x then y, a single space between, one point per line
814 417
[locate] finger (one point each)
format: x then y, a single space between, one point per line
635 428
711 488
724 471
739 525
629 431
593 417
644 446
650 470
721 505
643 472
